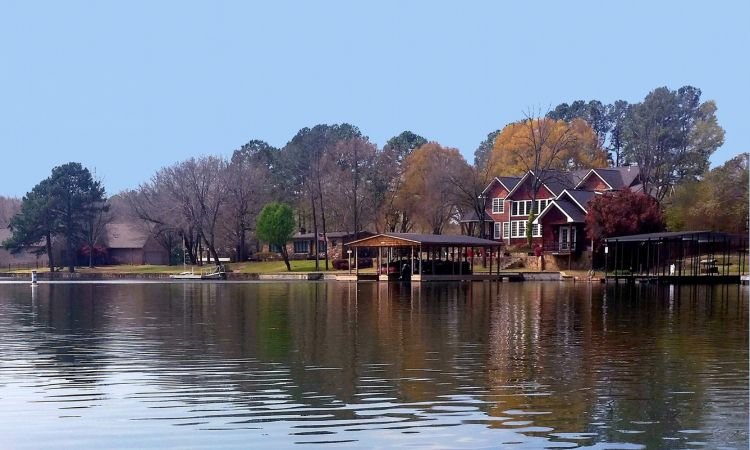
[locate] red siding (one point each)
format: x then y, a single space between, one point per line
594 183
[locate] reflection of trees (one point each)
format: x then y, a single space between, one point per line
69 326
584 353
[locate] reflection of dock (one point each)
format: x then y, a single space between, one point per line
420 278
677 279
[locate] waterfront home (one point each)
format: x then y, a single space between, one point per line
127 243
560 203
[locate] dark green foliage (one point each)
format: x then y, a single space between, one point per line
63 204
403 144
671 135
275 225
482 153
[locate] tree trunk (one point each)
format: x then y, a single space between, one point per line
241 251
323 220
48 239
285 255
315 231
71 259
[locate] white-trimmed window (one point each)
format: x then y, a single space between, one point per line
498 205
541 204
521 208
497 230
518 229
506 230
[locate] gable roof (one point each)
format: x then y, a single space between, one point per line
555 181
414 239
572 212
615 178
507 182
579 197
125 235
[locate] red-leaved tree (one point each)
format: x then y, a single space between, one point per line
623 213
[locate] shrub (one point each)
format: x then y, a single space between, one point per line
267 256
343 264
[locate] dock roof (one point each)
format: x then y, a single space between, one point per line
428 240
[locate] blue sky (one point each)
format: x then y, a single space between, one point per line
128 87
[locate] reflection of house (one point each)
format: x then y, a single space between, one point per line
128 244
27 257
560 203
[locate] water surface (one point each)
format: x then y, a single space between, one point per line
459 365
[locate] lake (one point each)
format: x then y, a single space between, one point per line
368 365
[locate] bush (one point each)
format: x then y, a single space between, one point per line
267 256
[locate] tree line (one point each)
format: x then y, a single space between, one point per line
336 179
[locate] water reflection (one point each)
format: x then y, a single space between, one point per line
368 365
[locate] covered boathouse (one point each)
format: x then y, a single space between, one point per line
429 257
677 257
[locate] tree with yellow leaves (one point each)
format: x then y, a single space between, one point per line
543 144
544 147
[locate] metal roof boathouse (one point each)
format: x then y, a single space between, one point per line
429 257
677 257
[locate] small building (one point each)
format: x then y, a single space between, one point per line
30 257
127 243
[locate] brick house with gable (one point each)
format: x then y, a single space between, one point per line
510 209
561 205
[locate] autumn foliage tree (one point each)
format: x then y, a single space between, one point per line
427 191
623 213
546 144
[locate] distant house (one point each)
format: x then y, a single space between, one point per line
302 245
126 243
27 257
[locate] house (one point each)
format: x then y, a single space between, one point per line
510 203
560 203
302 244
127 243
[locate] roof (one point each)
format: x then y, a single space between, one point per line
580 197
555 181
674 235
125 235
572 211
414 239
508 182
616 177
471 216
330 234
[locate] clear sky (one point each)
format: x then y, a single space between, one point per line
128 87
